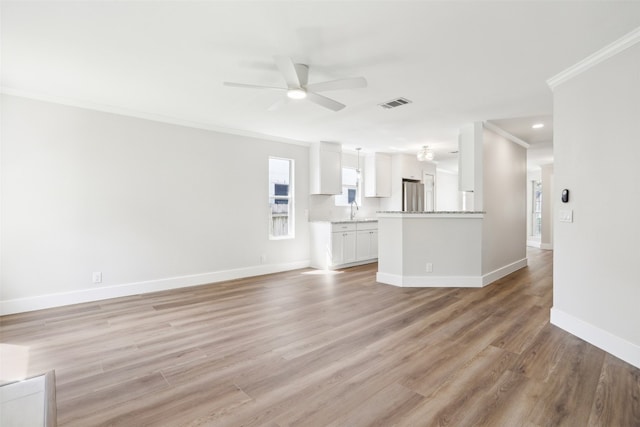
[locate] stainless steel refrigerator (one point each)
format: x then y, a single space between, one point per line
412 195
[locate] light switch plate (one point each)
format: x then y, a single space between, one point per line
566 215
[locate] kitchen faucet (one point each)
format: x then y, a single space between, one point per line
352 214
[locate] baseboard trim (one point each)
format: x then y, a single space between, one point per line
503 271
605 340
430 281
534 243
546 246
21 305
450 281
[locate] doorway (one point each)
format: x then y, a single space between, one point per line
429 191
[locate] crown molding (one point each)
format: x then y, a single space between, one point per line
144 115
506 134
614 48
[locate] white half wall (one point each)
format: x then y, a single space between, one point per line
140 201
596 282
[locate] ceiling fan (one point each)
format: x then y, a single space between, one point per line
298 87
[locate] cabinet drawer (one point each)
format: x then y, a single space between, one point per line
343 227
372 225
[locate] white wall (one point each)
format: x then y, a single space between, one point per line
504 228
447 195
150 205
596 281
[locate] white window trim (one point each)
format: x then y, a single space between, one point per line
358 191
290 198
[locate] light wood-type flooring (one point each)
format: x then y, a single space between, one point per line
307 349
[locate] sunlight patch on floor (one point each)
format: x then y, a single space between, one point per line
14 362
323 272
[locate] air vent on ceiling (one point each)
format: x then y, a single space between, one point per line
395 103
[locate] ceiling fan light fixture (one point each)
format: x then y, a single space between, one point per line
298 93
425 154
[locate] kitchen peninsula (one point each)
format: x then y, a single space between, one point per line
434 249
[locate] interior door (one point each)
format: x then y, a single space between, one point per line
429 192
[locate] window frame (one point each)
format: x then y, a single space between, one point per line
338 198
536 208
290 200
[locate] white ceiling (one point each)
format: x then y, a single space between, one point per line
457 61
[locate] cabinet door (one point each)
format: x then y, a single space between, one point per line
363 245
343 247
367 245
330 172
325 167
377 176
373 242
349 247
337 243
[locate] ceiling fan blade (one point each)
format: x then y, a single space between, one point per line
289 72
303 73
231 84
350 83
276 105
324 101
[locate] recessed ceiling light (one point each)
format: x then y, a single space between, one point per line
538 126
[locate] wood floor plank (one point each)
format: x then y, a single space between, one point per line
295 348
619 384
567 398
462 389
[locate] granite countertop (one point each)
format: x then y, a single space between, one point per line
346 221
431 212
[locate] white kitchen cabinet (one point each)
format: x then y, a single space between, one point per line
343 247
367 244
377 175
325 166
343 244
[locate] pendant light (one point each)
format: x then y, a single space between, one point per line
425 154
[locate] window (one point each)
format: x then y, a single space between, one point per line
536 208
281 224
350 190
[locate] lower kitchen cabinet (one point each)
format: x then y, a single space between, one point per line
343 247
343 244
367 245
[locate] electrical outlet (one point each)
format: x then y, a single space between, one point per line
429 267
263 259
97 277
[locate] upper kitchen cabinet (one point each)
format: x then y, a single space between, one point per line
326 168
377 175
